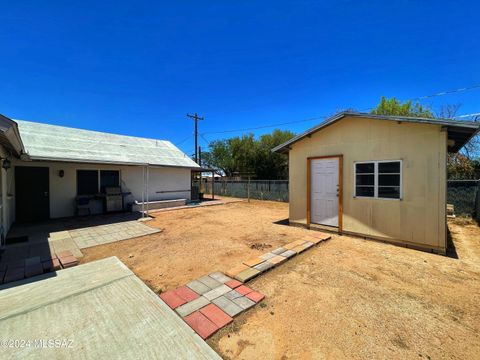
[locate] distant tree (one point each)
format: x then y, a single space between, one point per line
393 106
246 154
459 167
462 165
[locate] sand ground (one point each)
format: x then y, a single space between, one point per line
347 298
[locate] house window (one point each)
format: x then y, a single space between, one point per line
378 179
109 178
87 182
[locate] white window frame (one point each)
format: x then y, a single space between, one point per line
375 183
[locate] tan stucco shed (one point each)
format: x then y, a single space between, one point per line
381 177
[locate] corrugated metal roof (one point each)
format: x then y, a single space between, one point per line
59 143
459 131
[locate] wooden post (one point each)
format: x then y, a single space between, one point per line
213 185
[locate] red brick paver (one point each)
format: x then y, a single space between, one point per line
201 324
68 261
216 315
186 293
172 299
51 265
244 290
255 296
233 284
65 253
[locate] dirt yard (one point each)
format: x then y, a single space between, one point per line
347 298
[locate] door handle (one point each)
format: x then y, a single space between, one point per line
45 193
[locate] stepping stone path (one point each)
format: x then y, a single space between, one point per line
260 264
210 302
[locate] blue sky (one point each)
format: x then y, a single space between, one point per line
137 67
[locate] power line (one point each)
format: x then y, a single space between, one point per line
442 93
182 141
265 126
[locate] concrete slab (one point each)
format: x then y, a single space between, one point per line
301 248
233 295
288 254
219 291
278 251
102 311
236 270
266 265
247 274
210 282
253 261
277 260
293 244
198 287
192 306
227 306
220 277
267 256
244 302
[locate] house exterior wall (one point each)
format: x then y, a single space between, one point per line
63 190
419 218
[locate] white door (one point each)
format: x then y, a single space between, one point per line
324 191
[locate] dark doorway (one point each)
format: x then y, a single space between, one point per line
32 195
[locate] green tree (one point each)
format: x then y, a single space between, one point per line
459 165
393 106
247 154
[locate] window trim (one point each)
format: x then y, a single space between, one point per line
375 184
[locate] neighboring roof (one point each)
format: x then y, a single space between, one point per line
459 131
9 136
59 143
102 310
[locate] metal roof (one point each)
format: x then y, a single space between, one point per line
9 136
59 143
458 131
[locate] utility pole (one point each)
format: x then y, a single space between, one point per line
196 118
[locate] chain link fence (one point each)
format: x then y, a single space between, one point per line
464 196
275 190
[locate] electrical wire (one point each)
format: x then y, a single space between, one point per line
442 93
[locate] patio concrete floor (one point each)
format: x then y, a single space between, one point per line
98 310
72 234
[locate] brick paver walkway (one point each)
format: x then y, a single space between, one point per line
210 302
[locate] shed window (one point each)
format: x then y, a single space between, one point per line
378 179
87 182
109 178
